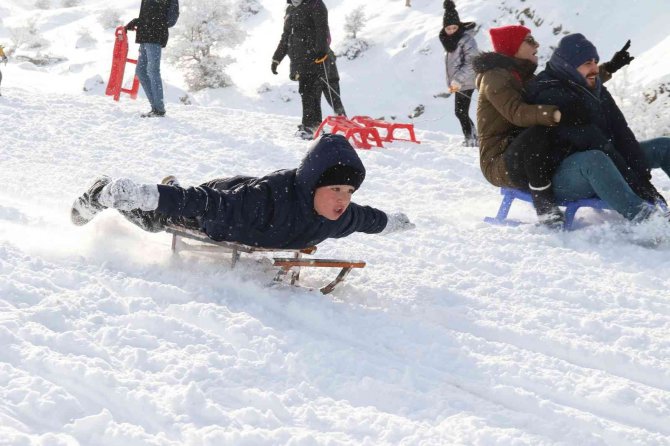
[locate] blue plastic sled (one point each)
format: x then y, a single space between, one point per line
571 207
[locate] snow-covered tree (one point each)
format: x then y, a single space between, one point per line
71 3
355 21
205 29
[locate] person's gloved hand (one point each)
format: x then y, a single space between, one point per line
322 59
574 114
124 194
132 25
454 87
397 222
274 66
620 59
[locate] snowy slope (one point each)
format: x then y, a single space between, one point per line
456 333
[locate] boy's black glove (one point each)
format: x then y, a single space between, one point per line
132 25
273 67
620 59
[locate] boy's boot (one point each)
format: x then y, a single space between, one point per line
87 206
548 212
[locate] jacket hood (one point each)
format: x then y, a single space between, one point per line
326 152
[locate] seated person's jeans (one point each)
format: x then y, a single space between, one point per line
592 173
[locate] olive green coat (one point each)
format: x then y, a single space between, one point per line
502 111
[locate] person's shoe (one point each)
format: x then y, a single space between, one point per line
548 212
153 114
554 219
170 180
305 133
87 206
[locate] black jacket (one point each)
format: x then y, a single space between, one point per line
277 210
305 38
154 20
599 124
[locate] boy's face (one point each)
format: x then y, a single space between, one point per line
331 201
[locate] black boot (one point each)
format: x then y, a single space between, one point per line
87 206
548 212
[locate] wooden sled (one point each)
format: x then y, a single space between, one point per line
289 267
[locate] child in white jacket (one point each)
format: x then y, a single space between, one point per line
461 48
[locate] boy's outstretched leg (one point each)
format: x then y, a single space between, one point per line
87 206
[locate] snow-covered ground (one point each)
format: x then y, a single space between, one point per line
458 332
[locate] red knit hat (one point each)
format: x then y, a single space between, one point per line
507 39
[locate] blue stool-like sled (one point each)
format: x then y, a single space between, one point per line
571 207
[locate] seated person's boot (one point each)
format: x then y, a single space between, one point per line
548 212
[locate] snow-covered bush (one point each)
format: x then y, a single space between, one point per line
352 48
28 37
205 29
70 3
85 40
110 18
43 4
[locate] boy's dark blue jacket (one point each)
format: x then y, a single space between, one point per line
602 126
277 210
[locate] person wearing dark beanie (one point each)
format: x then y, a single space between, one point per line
604 157
460 49
289 208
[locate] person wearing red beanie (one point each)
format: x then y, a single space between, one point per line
507 39
514 136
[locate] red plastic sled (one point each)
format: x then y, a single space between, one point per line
119 59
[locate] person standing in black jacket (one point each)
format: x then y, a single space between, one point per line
151 27
305 39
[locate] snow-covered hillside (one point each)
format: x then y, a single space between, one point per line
458 332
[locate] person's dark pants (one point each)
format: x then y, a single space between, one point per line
310 89
333 98
148 71
153 221
462 109
532 158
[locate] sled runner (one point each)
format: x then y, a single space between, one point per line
571 207
119 59
289 267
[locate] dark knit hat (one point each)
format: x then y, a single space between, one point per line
575 49
341 174
507 39
450 14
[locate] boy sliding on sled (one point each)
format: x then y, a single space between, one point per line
290 209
